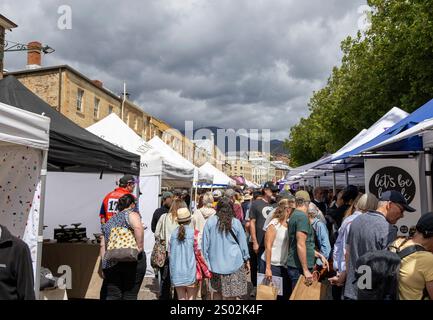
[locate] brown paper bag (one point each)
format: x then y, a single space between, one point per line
267 292
316 291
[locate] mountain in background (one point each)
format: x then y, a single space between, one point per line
276 146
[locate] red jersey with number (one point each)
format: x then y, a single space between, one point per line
109 205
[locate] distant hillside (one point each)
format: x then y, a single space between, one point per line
276 146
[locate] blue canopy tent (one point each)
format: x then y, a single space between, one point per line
413 143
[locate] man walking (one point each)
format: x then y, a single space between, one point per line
302 251
372 231
109 204
167 200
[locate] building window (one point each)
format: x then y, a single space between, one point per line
80 96
110 109
136 123
96 108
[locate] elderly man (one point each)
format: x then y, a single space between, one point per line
370 232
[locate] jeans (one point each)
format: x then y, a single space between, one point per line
123 280
294 275
253 264
279 271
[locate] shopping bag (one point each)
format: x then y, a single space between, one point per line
315 291
267 291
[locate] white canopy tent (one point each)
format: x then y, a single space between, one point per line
326 165
171 155
24 142
220 179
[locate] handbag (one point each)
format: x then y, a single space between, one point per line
202 270
315 291
267 291
122 246
159 252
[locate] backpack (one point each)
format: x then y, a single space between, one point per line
407 252
385 268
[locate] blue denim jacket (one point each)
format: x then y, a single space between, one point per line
220 250
322 238
182 258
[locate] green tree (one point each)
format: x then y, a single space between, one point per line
389 65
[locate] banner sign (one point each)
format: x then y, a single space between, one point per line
396 174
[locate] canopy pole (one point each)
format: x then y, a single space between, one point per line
347 177
334 183
429 182
41 224
195 198
318 181
305 181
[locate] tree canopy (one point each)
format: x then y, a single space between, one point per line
390 64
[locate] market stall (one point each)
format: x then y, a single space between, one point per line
78 162
24 141
159 166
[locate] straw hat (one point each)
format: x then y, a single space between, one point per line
183 215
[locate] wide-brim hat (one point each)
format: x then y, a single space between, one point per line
183 215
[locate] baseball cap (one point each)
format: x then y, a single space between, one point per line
270 185
217 194
303 195
127 178
396 197
166 194
425 224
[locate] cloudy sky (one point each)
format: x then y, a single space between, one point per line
226 63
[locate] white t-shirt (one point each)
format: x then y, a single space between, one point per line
280 248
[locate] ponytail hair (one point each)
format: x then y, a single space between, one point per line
181 232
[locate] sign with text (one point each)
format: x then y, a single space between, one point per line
396 174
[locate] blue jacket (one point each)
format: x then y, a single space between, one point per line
220 250
182 258
322 235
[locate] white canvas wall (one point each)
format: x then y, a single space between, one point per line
76 197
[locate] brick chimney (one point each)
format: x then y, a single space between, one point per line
34 59
98 83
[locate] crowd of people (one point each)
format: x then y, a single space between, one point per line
223 239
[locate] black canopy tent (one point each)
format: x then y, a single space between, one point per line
72 148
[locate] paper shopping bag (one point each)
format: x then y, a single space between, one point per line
315 291
267 292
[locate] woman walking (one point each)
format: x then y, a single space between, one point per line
182 257
225 250
122 280
274 259
165 227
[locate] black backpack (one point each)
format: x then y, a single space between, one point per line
385 268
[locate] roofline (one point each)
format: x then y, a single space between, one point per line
8 24
65 67
90 81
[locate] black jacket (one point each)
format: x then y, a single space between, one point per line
156 215
16 270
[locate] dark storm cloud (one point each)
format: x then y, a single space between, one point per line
250 64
